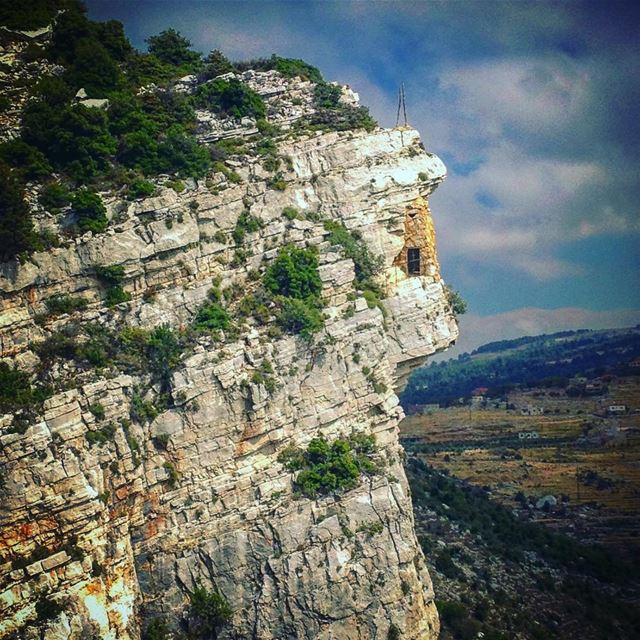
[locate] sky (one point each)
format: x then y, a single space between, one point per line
532 105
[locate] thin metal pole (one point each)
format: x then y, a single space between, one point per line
404 105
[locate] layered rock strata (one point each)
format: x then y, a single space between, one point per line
129 528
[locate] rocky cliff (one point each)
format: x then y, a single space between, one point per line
112 514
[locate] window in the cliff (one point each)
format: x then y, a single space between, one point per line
413 261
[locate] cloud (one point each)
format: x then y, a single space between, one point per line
476 330
531 105
511 122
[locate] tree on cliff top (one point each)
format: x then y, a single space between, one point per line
170 47
16 229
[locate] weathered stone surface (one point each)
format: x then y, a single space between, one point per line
344 566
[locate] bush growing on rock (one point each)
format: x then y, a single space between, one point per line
211 317
172 48
15 389
140 188
28 160
75 138
246 224
456 302
366 265
231 97
54 196
294 274
27 15
333 114
93 68
325 468
112 277
90 211
65 304
216 64
157 629
209 613
299 316
288 67
16 229
48 609
294 279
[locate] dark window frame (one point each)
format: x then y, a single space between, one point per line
413 261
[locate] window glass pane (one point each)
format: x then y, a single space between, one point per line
413 261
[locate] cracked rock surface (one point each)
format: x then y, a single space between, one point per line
123 541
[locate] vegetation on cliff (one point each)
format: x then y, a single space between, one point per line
324 468
144 128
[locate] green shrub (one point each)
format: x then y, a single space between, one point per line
140 188
277 182
445 565
176 185
142 410
97 410
292 67
299 316
246 224
231 97
144 68
456 302
47 609
163 351
157 629
271 164
101 436
209 613
93 68
215 64
333 114
327 468
174 476
16 228
90 210
266 128
229 174
180 153
28 160
211 317
15 389
54 91
291 213
294 274
74 138
172 48
266 147
54 196
112 277
57 345
326 96
28 15
367 266
59 305
289 67
294 279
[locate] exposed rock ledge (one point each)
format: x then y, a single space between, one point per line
289 568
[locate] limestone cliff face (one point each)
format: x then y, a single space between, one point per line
129 528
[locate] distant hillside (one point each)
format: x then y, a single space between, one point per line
530 361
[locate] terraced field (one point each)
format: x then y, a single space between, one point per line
588 461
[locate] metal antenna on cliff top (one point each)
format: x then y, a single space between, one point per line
402 103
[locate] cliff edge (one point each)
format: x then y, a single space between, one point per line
124 492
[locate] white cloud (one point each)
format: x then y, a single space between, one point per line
495 114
